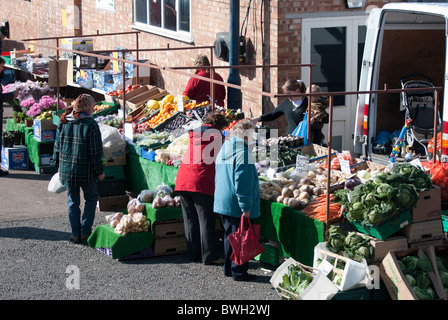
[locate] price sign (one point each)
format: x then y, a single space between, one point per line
180 103
345 166
302 164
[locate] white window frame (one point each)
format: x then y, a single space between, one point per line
351 23
176 35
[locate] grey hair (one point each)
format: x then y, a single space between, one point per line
243 128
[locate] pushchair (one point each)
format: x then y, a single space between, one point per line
419 107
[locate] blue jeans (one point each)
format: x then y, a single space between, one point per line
82 226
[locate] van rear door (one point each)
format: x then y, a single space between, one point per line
366 101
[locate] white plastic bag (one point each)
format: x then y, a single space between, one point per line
55 184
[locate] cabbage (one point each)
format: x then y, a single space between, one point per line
444 278
410 263
422 280
406 196
424 264
411 280
385 191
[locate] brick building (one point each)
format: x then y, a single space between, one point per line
326 33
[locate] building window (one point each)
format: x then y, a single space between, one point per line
170 18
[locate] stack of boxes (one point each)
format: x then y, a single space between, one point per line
45 131
15 158
169 237
426 227
111 190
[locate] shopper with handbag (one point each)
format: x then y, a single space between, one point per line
237 191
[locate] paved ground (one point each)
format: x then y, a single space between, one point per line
37 261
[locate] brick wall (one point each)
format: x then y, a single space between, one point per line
273 37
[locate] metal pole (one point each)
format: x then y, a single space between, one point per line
330 132
57 75
436 112
234 95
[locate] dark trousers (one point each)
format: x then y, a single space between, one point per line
231 269
199 224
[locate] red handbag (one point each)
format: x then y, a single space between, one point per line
245 242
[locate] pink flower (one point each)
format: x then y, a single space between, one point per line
27 103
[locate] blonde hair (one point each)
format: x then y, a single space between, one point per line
201 61
314 89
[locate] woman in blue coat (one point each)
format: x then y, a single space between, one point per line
237 191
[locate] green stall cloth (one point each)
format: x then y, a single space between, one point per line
162 214
296 233
146 174
121 246
34 147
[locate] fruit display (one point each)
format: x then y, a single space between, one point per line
119 92
46 115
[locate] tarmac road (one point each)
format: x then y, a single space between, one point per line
37 262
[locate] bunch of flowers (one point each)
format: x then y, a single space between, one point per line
46 103
29 89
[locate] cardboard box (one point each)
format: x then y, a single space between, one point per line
100 77
429 205
77 44
423 231
395 280
170 245
52 73
354 271
44 130
115 155
168 228
321 288
142 96
19 53
382 247
47 160
115 203
15 158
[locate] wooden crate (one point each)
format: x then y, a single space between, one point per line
170 245
167 229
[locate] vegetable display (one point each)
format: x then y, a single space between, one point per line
416 271
352 245
134 221
295 280
388 193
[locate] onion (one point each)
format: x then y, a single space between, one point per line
296 193
305 181
286 192
293 203
158 203
280 199
303 195
286 200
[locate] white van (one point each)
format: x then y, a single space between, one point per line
405 42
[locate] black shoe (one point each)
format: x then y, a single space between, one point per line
75 239
3 173
247 277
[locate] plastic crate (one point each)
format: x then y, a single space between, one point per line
386 228
114 173
113 107
146 253
445 220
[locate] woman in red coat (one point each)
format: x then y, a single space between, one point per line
195 183
198 89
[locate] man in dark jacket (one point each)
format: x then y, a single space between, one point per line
3 98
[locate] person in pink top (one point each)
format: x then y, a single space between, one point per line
198 89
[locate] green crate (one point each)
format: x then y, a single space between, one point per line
445 221
7 60
386 228
113 107
114 173
45 169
